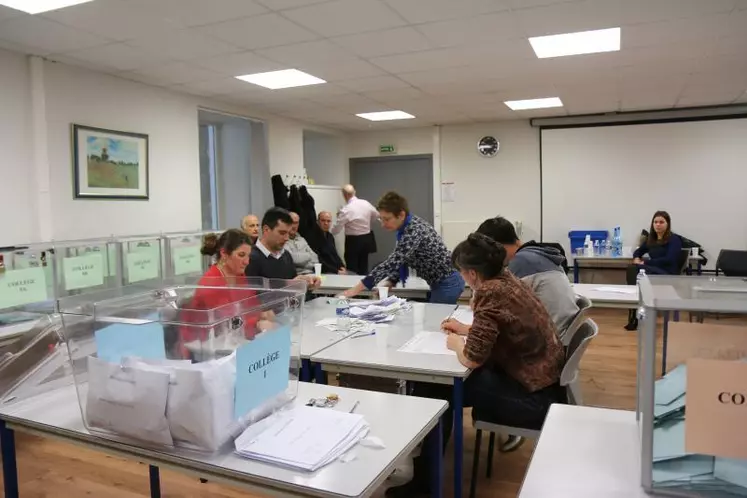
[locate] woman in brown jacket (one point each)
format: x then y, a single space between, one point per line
511 346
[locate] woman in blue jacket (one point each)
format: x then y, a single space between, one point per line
664 249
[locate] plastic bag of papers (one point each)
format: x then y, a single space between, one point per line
128 401
673 467
379 311
303 437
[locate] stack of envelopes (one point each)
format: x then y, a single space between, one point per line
673 467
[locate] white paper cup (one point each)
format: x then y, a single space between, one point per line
318 269
383 292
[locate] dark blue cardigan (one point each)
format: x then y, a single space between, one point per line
665 256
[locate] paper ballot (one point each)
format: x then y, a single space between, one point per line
428 343
128 401
302 437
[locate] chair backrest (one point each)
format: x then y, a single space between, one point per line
583 304
732 262
684 260
580 341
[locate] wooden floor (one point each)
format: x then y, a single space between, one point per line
52 469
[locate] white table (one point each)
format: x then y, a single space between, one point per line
377 356
620 262
585 452
57 415
609 296
416 287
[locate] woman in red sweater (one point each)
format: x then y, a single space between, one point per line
221 286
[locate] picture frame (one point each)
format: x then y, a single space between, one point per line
110 164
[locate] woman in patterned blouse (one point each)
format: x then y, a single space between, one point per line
419 247
511 346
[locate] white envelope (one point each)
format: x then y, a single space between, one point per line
128 401
200 404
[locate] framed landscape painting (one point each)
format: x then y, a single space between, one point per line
109 164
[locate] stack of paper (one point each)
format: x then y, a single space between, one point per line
379 311
303 437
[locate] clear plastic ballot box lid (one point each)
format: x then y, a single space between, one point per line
186 365
692 387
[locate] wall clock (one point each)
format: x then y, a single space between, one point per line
488 146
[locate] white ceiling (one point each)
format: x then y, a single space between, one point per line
445 61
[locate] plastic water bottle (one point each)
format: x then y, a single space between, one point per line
640 312
588 246
597 249
616 242
343 314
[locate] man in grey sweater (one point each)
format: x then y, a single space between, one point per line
539 266
303 256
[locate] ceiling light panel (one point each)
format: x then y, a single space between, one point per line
287 78
39 6
522 105
583 42
385 115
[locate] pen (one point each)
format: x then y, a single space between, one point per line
452 312
364 335
354 406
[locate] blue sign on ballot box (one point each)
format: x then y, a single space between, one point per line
262 369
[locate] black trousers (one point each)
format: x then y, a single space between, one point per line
495 397
357 249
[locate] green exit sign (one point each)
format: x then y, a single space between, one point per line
387 149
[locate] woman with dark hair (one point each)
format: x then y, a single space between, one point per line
419 247
664 249
219 286
511 346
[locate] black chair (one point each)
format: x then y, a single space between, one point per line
732 263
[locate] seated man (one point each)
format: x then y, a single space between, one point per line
304 258
268 257
328 255
540 268
250 226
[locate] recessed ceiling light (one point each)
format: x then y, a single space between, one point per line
385 115
583 42
38 6
521 105
287 78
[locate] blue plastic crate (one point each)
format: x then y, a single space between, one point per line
577 237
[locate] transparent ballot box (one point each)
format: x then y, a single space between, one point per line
27 279
37 362
186 365
142 259
692 388
182 257
87 265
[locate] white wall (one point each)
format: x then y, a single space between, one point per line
508 184
170 121
66 95
407 140
601 177
18 221
325 158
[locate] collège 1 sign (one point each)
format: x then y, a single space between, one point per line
262 369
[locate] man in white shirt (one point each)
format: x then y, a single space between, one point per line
356 218
303 256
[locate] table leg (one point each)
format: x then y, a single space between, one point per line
319 374
664 340
575 271
155 481
435 443
10 470
458 435
306 370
